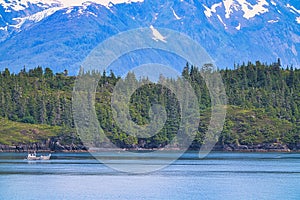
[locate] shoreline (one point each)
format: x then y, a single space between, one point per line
263 147
161 150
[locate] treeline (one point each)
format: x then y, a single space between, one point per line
263 103
265 86
37 97
267 100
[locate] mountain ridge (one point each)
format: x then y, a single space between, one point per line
231 31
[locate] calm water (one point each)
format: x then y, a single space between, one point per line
218 176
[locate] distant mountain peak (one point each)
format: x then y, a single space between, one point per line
18 5
19 14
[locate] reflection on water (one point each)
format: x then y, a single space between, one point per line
218 176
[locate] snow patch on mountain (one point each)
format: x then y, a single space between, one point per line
272 21
91 13
69 10
3 28
249 10
208 11
229 6
175 15
157 36
293 9
273 3
221 20
82 9
34 18
156 16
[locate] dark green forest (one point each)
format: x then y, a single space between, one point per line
263 106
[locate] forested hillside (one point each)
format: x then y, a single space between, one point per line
262 112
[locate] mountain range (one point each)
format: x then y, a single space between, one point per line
61 33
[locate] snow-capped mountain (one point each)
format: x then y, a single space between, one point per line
60 33
15 14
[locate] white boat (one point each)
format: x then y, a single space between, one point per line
33 156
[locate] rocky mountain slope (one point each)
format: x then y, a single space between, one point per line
61 33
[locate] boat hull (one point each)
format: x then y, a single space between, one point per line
34 157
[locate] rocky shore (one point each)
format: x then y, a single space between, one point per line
53 146
264 147
42 147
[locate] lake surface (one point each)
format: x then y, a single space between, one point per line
218 176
